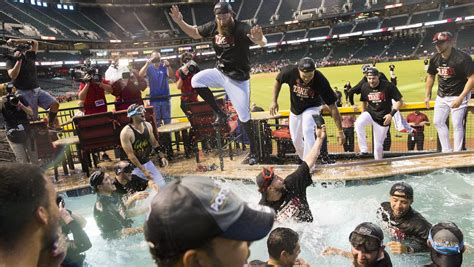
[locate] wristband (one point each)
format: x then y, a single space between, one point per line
392 113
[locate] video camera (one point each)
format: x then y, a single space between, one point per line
7 89
9 53
79 73
192 68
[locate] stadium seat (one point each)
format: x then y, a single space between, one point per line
201 117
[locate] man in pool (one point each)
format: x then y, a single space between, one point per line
446 243
287 196
367 247
406 227
195 221
283 248
110 212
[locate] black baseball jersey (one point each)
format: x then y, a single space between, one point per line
305 96
27 78
232 52
411 228
294 204
453 72
379 99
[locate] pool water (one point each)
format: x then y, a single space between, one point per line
442 195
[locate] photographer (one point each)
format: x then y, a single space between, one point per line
16 110
92 93
22 70
128 91
158 72
74 224
183 79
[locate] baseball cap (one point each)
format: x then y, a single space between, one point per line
372 72
447 242
123 166
442 37
402 189
96 178
306 64
135 109
192 210
223 8
368 235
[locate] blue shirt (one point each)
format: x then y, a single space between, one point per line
158 82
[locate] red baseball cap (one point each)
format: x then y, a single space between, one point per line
442 37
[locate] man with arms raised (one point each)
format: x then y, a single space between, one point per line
231 40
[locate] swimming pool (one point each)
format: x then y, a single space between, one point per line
442 195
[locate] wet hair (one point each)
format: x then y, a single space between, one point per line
22 191
172 261
281 239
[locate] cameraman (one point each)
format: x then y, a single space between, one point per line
22 70
92 93
128 91
16 110
183 79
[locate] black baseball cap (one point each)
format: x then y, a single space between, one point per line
372 72
306 64
223 8
447 244
402 189
96 178
192 210
367 234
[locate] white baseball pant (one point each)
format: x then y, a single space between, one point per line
400 123
238 91
150 166
442 109
379 134
302 130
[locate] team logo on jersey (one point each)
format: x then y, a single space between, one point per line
303 91
446 72
224 41
376 97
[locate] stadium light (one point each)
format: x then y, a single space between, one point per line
59 6
32 2
71 7
436 22
22 1
469 18
417 25
45 4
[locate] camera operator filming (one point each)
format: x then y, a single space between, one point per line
22 70
16 110
92 89
183 79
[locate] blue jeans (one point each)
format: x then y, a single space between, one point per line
162 112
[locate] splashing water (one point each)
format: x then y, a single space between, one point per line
439 196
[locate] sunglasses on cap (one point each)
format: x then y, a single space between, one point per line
446 248
365 243
267 175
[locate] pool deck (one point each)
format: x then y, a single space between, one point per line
336 174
